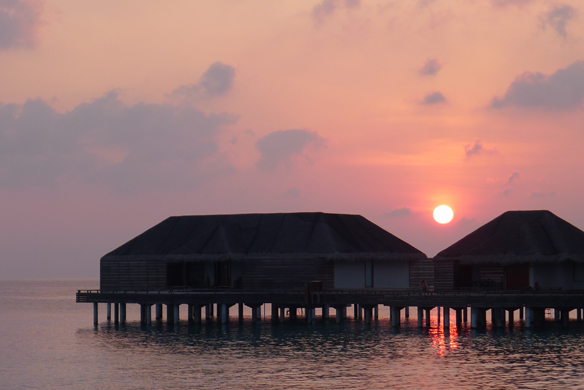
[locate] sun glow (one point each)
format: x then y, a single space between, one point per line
443 214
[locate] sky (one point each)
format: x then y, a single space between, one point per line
117 114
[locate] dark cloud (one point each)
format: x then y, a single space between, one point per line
541 194
558 17
562 90
434 98
143 146
398 213
292 193
326 8
431 67
217 81
505 3
477 148
19 23
281 147
513 177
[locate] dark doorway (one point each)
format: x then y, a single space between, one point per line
223 273
517 277
185 274
462 276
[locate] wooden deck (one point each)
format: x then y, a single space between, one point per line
392 298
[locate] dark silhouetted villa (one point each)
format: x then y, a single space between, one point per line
262 252
517 250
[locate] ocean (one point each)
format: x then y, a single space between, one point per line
47 341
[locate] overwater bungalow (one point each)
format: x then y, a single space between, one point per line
518 250
261 252
290 260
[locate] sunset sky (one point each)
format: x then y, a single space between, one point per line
117 114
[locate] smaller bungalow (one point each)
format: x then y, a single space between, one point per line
517 250
263 252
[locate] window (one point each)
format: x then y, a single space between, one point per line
368 274
578 272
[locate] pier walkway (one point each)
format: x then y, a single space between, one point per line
531 304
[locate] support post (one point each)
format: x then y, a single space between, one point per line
282 313
578 315
428 319
420 316
338 314
95 313
407 312
190 313
528 317
376 312
143 313
224 313
159 311
197 314
511 319
446 317
259 310
557 315
148 314
465 315
368 314
565 317
499 315
325 312
109 312
169 313
240 311
254 314
458 317
474 314
274 317
208 313
293 313
116 313
123 313
395 317
176 313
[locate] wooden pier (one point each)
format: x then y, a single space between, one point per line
531 305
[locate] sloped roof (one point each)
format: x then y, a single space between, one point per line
519 237
281 235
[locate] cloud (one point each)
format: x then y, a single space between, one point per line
541 194
431 67
142 146
434 98
281 147
558 17
292 193
562 90
505 3
513 177
477 148
217 81
398 213
326 8
19 23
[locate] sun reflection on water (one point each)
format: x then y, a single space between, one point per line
443 340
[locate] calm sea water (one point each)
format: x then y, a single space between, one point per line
47 341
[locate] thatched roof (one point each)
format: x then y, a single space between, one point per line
537 236
282 235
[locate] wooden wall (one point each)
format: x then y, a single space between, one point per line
285 274
132 275
422 269
444 275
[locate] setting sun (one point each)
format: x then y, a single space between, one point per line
443 214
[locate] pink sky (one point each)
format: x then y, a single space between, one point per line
117 114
